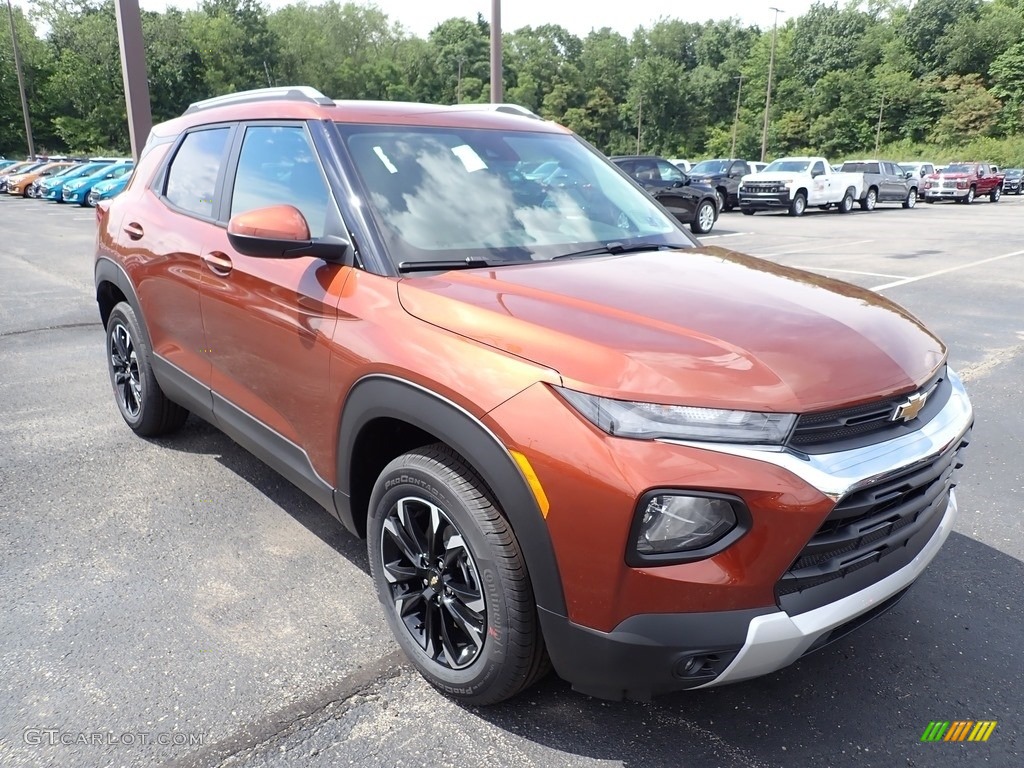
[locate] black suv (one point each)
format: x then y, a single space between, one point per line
693 204
723 176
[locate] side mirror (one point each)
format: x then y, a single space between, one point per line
909 175
280 232
686 180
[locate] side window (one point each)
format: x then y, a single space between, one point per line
818 169
278 166
740 168
982 171
669 172
117 173
645 170
192 177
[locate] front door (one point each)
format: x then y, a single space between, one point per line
269 321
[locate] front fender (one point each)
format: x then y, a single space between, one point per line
382 396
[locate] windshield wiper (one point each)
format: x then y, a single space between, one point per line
615 248
442 264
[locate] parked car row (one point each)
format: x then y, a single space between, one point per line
66 180
795 183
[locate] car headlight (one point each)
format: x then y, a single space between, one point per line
673 526
650 421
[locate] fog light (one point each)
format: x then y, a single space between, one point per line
675 523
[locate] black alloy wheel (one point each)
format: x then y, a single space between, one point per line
142 403
434 582
124 367
452 579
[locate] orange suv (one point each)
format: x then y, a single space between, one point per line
571 436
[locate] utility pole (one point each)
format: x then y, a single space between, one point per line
458 85
768 94
639 122
878 130
21 85
736 120
133 72
496 68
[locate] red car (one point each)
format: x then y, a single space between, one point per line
571 436
963 182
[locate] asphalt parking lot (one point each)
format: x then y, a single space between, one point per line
176 602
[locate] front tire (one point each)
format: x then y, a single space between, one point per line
452 578
970 196
995 195
142 403
703 218
911 200
798 205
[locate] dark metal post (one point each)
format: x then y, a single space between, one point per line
133 71
768 95
21 85
736 120
496 69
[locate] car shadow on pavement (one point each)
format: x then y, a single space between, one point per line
199 437
949 651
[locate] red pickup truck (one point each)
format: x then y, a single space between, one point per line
964 182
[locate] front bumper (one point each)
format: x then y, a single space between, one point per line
654 654
764 201
942 193
74 196
651 652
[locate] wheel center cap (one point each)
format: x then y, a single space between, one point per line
433 579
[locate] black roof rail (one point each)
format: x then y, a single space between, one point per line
285 93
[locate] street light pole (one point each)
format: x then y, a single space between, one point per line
639 122
736 120
458 83
21 85
878 130
133 72
496 69
768 94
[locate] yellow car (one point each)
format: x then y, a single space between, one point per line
19 184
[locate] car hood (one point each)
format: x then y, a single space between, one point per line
706 327
951 176
774 176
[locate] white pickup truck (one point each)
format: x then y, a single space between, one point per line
794 183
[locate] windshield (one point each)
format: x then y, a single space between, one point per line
1013 173
788 166
958 169
711 167
445 194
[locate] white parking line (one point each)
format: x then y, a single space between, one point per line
93 218
938 272
731 234
850 272
821 246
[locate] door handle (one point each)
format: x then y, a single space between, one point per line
218 263
134 231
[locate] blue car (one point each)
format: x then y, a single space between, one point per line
108 189
77 190
53 187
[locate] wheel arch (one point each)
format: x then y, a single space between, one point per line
385 416
113 287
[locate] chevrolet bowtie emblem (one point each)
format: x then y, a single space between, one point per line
909 410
